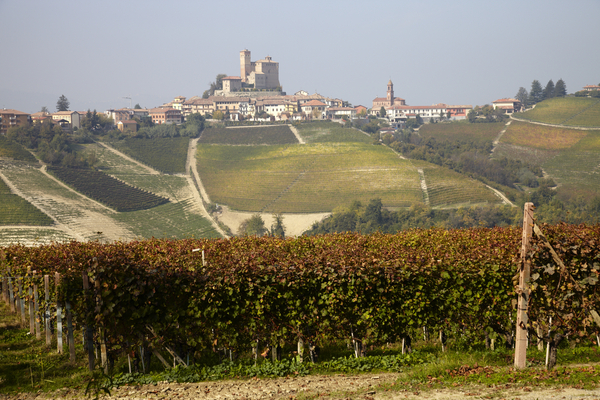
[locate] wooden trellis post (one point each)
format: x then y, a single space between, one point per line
36 309
523 290
47 310
59 333
89 330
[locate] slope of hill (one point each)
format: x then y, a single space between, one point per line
569 111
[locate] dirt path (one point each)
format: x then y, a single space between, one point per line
363 386
199 196
150 170
294 224
497 139
498 193
295 132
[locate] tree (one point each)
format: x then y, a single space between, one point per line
560 90
62 104
549 90
382 112
45 110
218 115
253 226
536 92
216 85
522 96
277 229
137 106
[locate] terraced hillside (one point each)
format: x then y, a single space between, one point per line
570 111
77 217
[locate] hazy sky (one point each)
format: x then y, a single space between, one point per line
455 52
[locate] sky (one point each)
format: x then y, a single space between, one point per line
98 53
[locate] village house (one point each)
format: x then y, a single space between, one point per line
509 106
127 126
72 118
340 112
590 88
165 115
314 109
10 118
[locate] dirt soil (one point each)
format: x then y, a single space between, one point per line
364 386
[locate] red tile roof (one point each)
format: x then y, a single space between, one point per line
506 101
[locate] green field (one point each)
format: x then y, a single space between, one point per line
572 111
167 155
462 130
447 188
319 177
15 210
253 135
14 150
329 132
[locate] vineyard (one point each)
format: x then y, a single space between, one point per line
330 132
107 190
541 137
15 210
12 149
565 111
279 134
463 131
190 296
167 155
446 188
306 178
576 169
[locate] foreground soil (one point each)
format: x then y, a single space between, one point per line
364 386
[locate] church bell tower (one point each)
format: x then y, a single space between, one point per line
390 93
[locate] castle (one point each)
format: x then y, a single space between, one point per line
262 74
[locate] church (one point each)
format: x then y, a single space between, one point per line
388 101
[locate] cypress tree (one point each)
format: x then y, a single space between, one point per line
560 90
549 90
536 92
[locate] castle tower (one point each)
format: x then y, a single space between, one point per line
390 93
245 65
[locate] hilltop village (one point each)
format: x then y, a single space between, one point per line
257 95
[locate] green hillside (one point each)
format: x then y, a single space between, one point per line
570 111
319 177
15 210
167 155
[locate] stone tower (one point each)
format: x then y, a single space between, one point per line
390 93
245 65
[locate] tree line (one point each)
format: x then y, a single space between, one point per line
537 94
